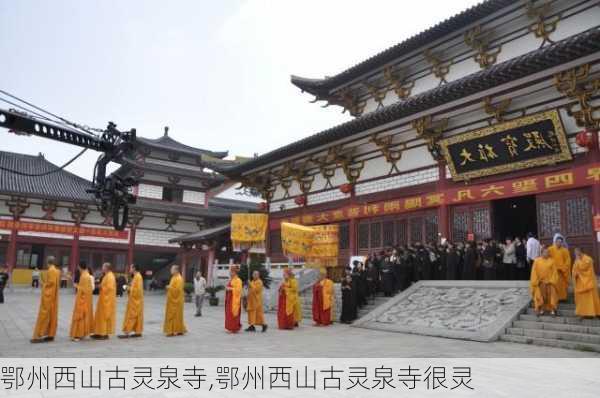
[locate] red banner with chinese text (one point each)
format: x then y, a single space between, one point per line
566 179
30 226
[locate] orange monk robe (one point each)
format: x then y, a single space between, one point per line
328 294
48 313
106 306
544 271
83 312
134 314
174 323
562 260
256 315
587 302
233 300
286 306
298 302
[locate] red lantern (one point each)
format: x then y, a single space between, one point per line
585 139
300 200
346 188
262 206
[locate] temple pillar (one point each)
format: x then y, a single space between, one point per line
74 257
131 245
11 255
443 210
210 263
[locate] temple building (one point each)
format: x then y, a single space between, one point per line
178 194
483 126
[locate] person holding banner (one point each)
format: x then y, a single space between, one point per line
298 302
233 301
45 326
256 315
323 297
286 305
174 324
106 305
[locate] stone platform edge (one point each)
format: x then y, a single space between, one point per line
488 334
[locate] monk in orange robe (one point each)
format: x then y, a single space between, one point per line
256 315
83 312
133 323
45 326
174 324
323 312
233 301
543 284
287 302
106 305
562 261
587 301
317 301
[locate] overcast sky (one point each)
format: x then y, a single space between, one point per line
216 72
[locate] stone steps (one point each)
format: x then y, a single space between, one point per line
565 330
558 327
569 345
555 335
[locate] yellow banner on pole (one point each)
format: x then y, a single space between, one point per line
296 239
249 230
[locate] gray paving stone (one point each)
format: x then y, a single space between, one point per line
207 338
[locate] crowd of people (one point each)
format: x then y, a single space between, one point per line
550 271
395 269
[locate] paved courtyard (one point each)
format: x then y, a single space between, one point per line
207 337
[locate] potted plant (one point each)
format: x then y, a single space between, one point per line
213 300
188 288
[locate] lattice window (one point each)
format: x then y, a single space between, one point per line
578 216
388 233
460 224
416 229
363 236
401 236
344 237
376 234
549 218
482 227
275 242
431 228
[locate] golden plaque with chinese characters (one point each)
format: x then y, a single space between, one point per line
530 141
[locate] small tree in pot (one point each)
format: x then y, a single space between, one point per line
213 300
188 288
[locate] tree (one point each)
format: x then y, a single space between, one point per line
256 264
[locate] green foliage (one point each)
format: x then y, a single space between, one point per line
256 264
212 290
188 288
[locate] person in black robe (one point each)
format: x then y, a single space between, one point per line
452 260
349 311
356 284
387 278
372 279
470 262
489 261
423 262
364 284
406 269
395 263
440 252
521 266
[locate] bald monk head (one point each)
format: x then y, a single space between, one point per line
578 252
545 253
233 271
174 269
132 268
255 275
51 260
106 267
